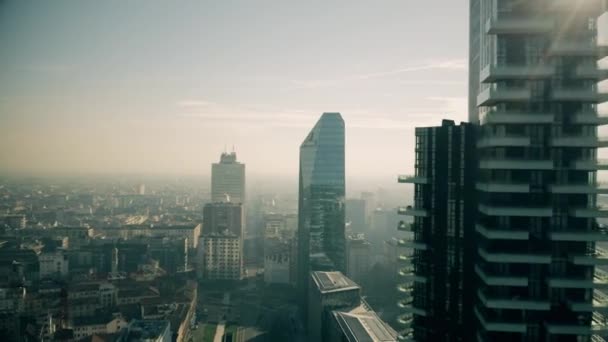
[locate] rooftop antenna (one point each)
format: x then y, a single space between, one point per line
225 149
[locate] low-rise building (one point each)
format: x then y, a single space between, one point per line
97 324
148 331
359 324
53 263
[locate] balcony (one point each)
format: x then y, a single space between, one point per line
518 25
599 281
577 48
493 96
578 94
502 234
599 303
594 256
513 303
517 164
590 118
515 258
599 324
407 289
515 211
500 326
591 164
408 276
411 211
597 212
500 118
579 141
502 280
597 188
503 187
406 319
591 7
408 308
413 244
495 73
579 235
496 141
412 179
592 72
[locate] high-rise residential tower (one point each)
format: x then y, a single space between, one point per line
436 272
228 180
534 93
320 237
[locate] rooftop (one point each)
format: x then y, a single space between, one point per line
146 329
364 327
333 282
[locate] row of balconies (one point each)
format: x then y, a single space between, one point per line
599 325
540 164
599 280
581 118
599 233
489 210
496 73
576 141
518 187
496 95
594 256
599 303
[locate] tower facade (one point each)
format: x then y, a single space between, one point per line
534 93
436 271
320 237
228 180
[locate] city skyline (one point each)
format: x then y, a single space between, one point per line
164 88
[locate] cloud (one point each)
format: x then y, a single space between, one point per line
455 65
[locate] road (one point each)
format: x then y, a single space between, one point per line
219 332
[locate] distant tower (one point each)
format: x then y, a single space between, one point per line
228 179
141 189
321 240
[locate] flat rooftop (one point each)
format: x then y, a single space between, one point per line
364 327
333 282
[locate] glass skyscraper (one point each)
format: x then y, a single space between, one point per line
320 239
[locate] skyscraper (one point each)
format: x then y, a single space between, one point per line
320 238
436 270
534 88
228 180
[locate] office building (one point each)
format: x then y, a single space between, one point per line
329 291
358 257
359 324
534 93
355 215
436 275
320 237
228 180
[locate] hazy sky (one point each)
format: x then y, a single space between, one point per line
163 86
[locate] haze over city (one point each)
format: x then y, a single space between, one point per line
158 87
324 171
